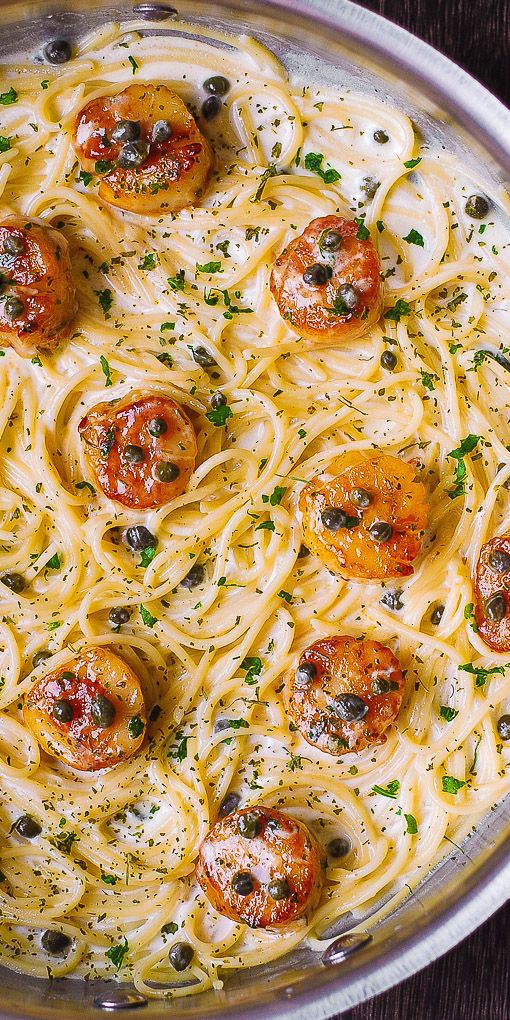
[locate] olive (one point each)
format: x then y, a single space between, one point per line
380 686
494 609
229 804
13 245
499 561
16 582
503 727
217 85
331 240
62 710
211 107
380 531
388 360
162 131
139 537
381 137
55 942
360 498
133 454
203 357
369 186
392 600
278 889
194 577
249 825
118 615
167 471
305 674
303 552
157 427
242 883
437 615
350 707
102 711
333 518
181 955
317 275
58 51
477 207
28 827
338 847
126 131
218 399
13 307
348 296
133 155
40 657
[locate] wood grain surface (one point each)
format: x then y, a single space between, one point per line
472 982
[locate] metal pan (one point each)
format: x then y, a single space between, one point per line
338 42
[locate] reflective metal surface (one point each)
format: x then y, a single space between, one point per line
334 41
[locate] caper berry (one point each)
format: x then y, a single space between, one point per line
338 847
16 582
317 275
380 531
58 51
369 186
118 615
28 827
13 307
229 804
55 942
217 85
249 825
499 561
381 137
181 955
40 657
380 686
157 427
494 609
102 711
62 710
279 889
389 360
133 454
139 537
477 207
211 107
162 131
503 727
437 615
218 399
348 296
133 155
126 131
331 240
392 600
13 245
350 707
167 471
360 498
305 674
333 518
194 577
242 883
203 357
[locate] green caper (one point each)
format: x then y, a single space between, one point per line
181 955
16 582
389 360
381 137
380 686
28 827
62 710
279 889
338 847
242 883
249 825
40 657
495 608
102 711
126 131
167 471
133 454
369 186
13 245
13 307
361 498
477 207
55 942
503 727
157 427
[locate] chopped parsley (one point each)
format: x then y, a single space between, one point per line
106 371
313 161
133 63
412 825
467 446
362 232
399 309
209 267
285 595
482 674
147 556
253 666
117 953
5 143
414 237
390 790
10 97
149 261
135 727
105 298
411 163
54 562
219 415
104 166
177 282
147 617
428 379
452 785
85 177
271 171
447 713
265 526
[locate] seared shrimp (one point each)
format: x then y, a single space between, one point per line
368 520
343 693
148 148
142 451
327 282
492 594
261 867
37 294
90 713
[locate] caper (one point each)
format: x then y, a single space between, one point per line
381 137
13 307
369 186
242 883
58 51
317 275
477 207
348 296
13 245
331 240
139 537
278 889
28 827
494 609
437 615
380 531
181 955
118 615
102 711
126 131
229 804
350 707
133 454
338 847
167 471
218 399
157 427
503 727
162 131
16 582
360 498
55 942
133 155
217 85
203 357
389 360
303 552
305 674
333 518
392 600
40 657
499 561
194 577
62 710
211 107
380 686
249 825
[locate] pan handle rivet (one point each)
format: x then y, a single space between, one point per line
345 946
122 999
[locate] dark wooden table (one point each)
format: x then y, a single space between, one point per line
472 982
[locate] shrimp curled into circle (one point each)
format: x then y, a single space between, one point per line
343 693
146 145
262 867
327 282
492 594
90 712
368 520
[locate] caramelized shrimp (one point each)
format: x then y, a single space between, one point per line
343 693
492 594
148 148
261 867
141 451
368 520
90 712
37 295
327 282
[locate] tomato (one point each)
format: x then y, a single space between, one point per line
492 594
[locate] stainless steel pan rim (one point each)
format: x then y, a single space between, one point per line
484 875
